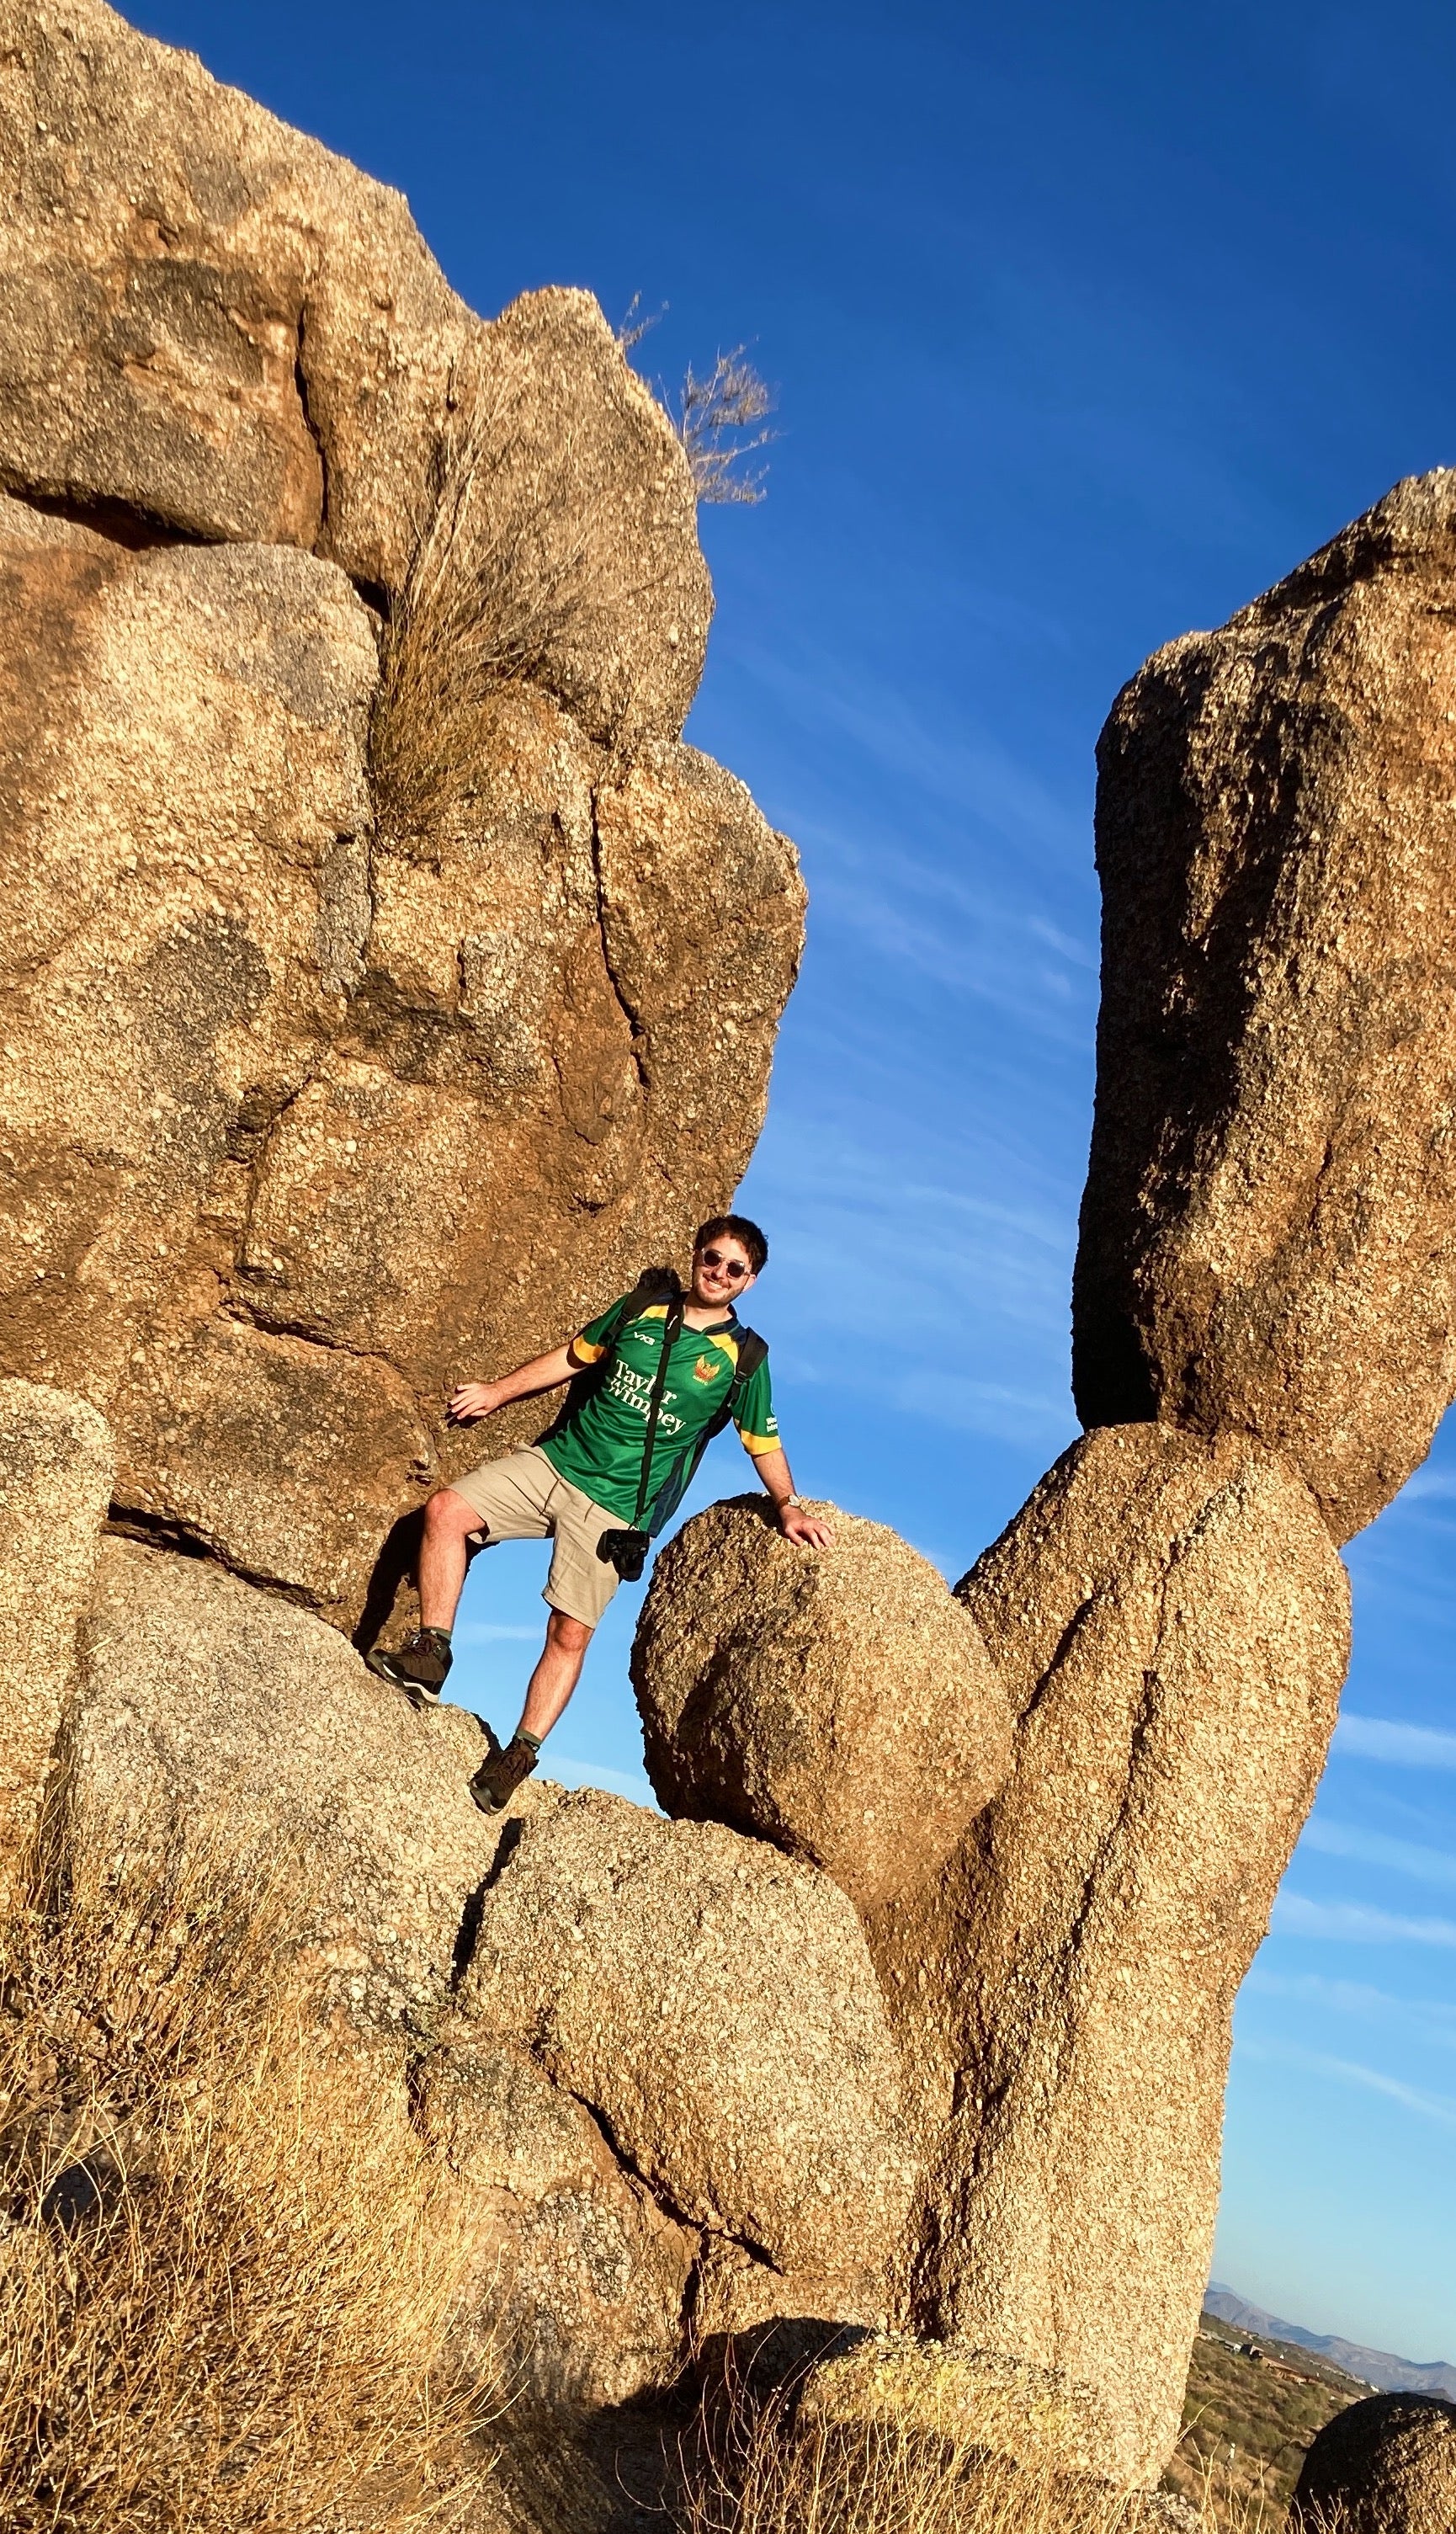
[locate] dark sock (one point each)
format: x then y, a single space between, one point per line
535 1739
442 1634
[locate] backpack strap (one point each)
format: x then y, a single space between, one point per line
671 1324
654 1285
752 1352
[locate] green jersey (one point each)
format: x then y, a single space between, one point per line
599 1444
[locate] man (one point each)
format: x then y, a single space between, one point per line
584 1479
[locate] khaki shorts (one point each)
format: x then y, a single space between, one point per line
522 1497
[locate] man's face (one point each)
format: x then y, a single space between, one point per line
720 1273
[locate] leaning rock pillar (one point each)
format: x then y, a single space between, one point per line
1171 1621
55 1484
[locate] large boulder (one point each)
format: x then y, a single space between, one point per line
591 516
1269 1237
301 1127
326 1086
211 1713
713 2005
55 1483
654 2058
208 317
1170 1620
838 1701
214 327
576 2284
1385 2466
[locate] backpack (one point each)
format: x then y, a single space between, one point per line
660 1285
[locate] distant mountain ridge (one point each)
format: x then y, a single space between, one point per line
1376 2366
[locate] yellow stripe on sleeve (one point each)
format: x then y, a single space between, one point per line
758 1444
581 1352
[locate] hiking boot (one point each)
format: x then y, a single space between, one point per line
501 1772
419 1667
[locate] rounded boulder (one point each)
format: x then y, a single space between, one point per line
1385 2466
837 1701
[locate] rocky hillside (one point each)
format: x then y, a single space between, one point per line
1251 2413
1379 2368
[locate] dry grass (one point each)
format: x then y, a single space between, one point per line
498 582
1246 2430
756 2470
228 2263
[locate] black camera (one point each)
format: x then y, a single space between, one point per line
627 1551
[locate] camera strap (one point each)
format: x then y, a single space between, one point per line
672 1326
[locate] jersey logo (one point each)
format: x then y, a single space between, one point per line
708 1367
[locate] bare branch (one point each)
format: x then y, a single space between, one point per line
634 324
715 418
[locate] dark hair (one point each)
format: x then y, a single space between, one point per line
734 1227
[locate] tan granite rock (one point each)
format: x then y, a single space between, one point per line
56 1465
713 2005
214 327
304 1125
205 1707
207 317
702 924
838 1701
654 2058
1268 1236
592 499
954 2391
577 2282
1385 2466
1170 1622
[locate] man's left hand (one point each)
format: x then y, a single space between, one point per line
804 1527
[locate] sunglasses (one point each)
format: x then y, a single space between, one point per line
733 1267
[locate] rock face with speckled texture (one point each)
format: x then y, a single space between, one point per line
838 1701
56 1465
1268 1236
312 1108
204 1702
713 2005
213 327
1170 1622
1385 2466
578 2280
653 2056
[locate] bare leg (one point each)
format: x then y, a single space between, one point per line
450 1522
557 1673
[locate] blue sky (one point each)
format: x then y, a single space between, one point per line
1086 324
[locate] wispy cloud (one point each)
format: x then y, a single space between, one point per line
1428 1485
1009 957
1347 1922
1402 1746
1373 1848
967 771
1427 2019
1006 1414
1440 2108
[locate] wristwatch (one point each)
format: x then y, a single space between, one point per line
783 1503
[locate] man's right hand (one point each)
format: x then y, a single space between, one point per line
473 1401
476 1399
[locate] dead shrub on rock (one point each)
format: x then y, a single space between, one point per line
228 2262
718 419
500 582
